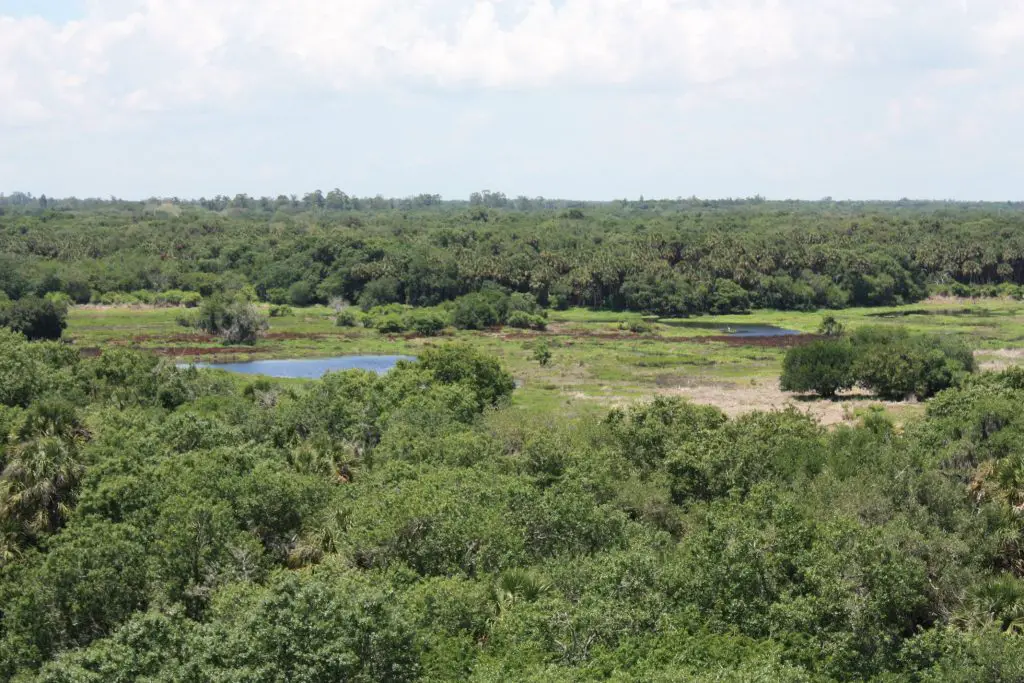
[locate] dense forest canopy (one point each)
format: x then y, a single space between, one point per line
674 257
170 524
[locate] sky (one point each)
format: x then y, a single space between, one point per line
582 99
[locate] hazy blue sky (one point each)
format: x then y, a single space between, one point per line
587 99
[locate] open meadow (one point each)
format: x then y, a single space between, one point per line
595 363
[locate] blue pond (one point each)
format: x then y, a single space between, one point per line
309 368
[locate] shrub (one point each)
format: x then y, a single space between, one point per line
280 311
191 299
475 311
636 326
542 354
426 323
462 364
35 318
277 295
526 321
392 323
823 367
379 293
346 318
830 327
59 299
525 303
171 297
895 364
728 297
301 294
236 321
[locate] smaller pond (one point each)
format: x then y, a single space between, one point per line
745 330
953 313
309 368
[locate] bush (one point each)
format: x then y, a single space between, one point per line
346 318
392 323
895 364
728 297
35 318
380 293
830 327
280 311
236 321
636 326
426 323
191 299
542 354
171 297
823 367
475 312
525 303
301 294
526 321
59 299
462 364
277 295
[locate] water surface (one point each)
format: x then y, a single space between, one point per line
309 368
744 330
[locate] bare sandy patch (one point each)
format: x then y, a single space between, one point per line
999 359
738 399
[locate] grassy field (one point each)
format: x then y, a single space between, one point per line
595 364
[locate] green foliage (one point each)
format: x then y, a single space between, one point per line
895 364
463 364
236 321
889 361
526 321
728 297
636 326
494 306
31 370
301 294
476 312
346 318
282 311
379 293
426 323
162 523
823 367
830 327
191 299
35 318
542 354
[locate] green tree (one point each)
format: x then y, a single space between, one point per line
824 367
463 364
35 318
896 364
542 353
43 469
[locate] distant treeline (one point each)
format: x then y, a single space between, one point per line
668 257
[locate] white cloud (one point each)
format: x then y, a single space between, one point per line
133 55
745 95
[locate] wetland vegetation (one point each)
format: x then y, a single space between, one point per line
589 473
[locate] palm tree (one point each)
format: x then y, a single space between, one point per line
37 486
518 585
44 466
995 602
